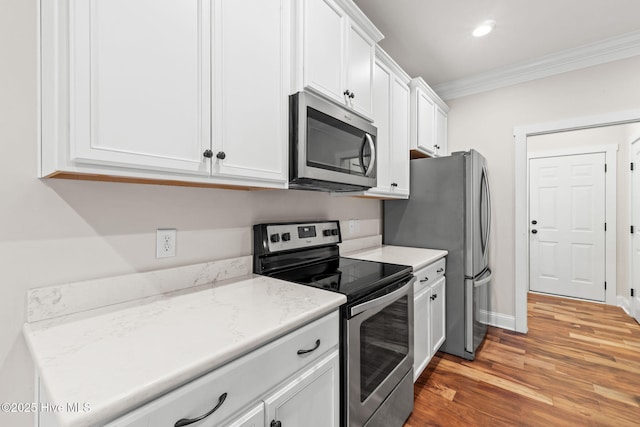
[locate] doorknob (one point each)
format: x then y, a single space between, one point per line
534 231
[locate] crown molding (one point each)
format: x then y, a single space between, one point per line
608 50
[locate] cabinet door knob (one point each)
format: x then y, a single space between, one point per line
394 184
534 231
275 423
440 270
221 155
352 95
426 279
208 154
346 93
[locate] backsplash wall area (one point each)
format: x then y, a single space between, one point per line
58 231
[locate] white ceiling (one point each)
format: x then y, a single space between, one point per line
432 38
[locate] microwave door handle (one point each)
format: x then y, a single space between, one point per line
372 147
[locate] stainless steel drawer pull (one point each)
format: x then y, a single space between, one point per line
301 352
426 279
440 270
187 421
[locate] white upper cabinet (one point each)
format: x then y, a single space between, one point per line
428 121
139 87
335 50
250 121
162 90
391 119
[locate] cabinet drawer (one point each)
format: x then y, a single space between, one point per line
244 380
429 274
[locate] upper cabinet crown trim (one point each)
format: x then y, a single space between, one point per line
419 82
358 16
393 65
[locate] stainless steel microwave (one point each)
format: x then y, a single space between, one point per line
331 148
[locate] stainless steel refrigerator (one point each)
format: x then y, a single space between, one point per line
450 208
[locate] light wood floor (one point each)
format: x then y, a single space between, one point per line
579 365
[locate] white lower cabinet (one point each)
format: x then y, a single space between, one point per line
310 400
294 380
429 314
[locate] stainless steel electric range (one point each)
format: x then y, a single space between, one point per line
376 323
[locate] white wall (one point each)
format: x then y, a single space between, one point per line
55 231
619 135
486 121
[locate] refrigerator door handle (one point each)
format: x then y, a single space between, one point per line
486 183
482 282
468 333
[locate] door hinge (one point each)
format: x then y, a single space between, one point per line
633 229
605 226
605 286
605 168
631 165
632 292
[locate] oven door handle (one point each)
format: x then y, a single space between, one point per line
383 300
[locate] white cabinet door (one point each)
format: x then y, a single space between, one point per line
139 83
310 399
421 330
437 316
425 122
381 116
323 48
250 89
360 63
252 418
399 140
440 144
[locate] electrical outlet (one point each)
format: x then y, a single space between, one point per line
354 226
166 242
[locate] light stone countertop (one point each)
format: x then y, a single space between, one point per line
118 360
415 257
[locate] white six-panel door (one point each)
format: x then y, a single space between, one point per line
635 221
567 225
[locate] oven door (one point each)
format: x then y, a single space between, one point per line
330 144
379 350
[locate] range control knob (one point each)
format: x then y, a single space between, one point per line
334 232
275 238
326 232
286 237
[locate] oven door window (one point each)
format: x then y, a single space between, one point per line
335 145
384 343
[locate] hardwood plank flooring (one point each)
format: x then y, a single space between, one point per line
579 365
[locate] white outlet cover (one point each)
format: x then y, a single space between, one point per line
166 242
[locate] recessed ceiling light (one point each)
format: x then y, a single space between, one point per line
485 28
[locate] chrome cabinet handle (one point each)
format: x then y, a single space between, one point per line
301 352
440 270
187 421
426 279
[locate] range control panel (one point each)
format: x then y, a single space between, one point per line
286 237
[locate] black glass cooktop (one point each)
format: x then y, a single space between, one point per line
351 277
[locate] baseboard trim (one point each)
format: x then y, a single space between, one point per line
625 304
499 320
